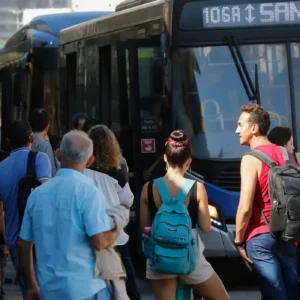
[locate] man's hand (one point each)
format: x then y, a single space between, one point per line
33 294
247 261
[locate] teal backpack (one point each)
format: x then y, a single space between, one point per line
171 247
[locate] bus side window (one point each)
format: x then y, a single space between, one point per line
150 82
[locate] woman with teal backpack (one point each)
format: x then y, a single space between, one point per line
174 207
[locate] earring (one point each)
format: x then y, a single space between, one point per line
167 167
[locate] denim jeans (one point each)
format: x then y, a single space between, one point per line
101 295
275 264
298 267
13 252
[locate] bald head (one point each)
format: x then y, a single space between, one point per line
76 148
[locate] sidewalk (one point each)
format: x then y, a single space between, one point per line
12 292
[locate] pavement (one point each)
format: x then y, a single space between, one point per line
13 293
239 283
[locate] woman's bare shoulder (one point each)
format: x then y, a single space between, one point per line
200 186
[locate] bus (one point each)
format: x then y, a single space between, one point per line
155 66
29 70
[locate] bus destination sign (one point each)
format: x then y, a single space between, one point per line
252 14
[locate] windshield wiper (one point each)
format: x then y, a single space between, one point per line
252 90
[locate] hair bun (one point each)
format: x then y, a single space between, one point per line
178 136
178 148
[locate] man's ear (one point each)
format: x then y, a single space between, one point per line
47 128
58 154
31 139
90 161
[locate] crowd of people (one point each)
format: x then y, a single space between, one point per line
70 242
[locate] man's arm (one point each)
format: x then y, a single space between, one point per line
25 244
26 264
49 151
97 222
4 252
43 167
103 240
2 224
249 177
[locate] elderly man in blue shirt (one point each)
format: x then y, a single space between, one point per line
66 220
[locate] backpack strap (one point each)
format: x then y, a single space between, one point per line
30 171
185 189
182 194
151 203
193 206
262 157
287 156
162 189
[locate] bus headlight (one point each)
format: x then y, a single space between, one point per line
213 212
214 216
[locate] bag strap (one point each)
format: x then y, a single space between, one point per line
162 189
185 189
262 212
193 206
287 156
151 203
262 157
182 193
270 163
30 171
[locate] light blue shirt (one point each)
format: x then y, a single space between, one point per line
60 217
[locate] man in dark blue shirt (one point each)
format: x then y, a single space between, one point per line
12 170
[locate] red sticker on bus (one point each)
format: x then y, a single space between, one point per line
148 145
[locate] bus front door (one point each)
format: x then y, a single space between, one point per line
141 104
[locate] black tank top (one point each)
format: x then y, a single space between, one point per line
192 207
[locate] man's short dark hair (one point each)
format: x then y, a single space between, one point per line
77 118
39 120
259 116
280 135
18 134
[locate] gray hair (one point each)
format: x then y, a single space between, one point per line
76 147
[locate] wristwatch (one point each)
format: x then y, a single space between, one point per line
239 244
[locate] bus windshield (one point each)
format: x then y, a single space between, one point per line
208 94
